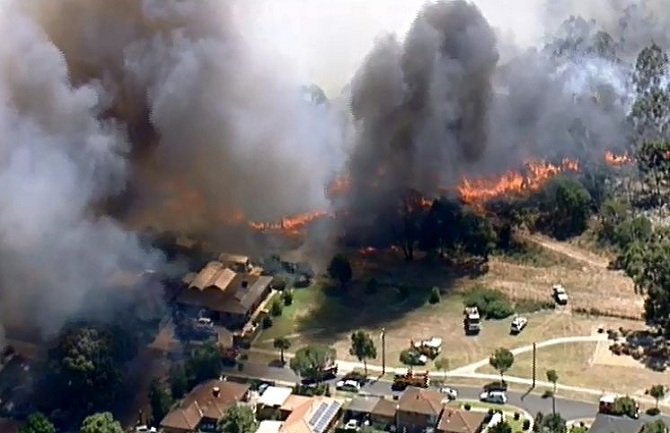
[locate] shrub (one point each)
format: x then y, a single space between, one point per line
287 296
266 322
491 304
467 406
276 308
371 286
517 415
526 424
499 309
279 283
409 357
548 393
434 296
531 306
653 411
491 412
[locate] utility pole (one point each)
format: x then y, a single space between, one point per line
534 364
383 337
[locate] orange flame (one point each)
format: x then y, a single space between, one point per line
478 191
339 187
614 160
291 226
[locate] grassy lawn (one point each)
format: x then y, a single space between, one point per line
573 364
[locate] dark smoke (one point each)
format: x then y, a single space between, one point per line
422 107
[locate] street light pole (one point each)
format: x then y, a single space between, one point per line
534 364
383 336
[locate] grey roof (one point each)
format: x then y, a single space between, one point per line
615 424
363 404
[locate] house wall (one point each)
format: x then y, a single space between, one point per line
414 422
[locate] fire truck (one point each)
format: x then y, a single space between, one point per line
402 381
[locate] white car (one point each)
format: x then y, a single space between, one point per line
518 324
451 393
560 294
348 385
352 424
497 397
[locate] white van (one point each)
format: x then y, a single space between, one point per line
497 397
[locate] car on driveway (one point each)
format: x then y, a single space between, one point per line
451 393
497 397
518 324
352 424
348 385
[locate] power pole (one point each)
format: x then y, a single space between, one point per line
383 336
534 364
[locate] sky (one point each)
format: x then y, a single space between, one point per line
325 40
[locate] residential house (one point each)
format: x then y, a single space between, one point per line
384 413
204 406
229 298
271 401
236 262
361 407
316 415
461 421
419 409
616 424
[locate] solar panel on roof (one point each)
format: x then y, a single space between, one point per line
326 416
319 412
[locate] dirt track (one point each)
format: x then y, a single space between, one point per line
568 250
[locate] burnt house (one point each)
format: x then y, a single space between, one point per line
229 298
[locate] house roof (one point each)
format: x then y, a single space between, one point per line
422 401
205 402
363 404
293 401
385 408
221 289
269 426
615 424
459 421
275 396
313 416
233 258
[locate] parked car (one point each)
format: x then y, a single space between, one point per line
518 324
560 295
451 393
497 397
352 424
348 385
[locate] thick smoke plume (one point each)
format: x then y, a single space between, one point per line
117 115
158 107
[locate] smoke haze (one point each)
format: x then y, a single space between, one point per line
191 115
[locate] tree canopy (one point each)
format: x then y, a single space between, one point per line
363 348
102 422
85 366
567 205
340 269
160 399
309 362
37 423
238 419
502 360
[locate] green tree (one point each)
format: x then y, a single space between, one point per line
434 297
657 392
102 422
276 308
502 360
340 269
281 344
203 363
654 280
625 406
178 381
657 426
612 213
567 206
38 423
501 427
554 423
552 376
310 362
478 235
160 399
238 419
85 367
363 348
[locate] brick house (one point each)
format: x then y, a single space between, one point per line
461 421
204 406
419 409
